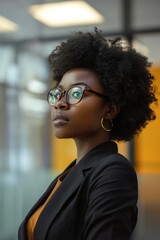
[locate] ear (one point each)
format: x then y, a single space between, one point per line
111 111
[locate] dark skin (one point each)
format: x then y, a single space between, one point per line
82 121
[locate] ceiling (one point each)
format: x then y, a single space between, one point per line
145 15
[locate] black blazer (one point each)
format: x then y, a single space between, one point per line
96 200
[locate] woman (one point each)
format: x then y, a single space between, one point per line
103 93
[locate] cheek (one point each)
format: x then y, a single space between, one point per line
88 120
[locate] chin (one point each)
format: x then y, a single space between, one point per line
61 135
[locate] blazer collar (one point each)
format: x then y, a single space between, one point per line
96 154
103 150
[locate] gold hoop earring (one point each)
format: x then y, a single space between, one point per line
106 129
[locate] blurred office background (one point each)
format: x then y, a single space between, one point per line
30 156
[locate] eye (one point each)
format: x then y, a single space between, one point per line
54 96
56 93
76 93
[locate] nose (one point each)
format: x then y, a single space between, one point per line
62 104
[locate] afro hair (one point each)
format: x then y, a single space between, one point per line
123 72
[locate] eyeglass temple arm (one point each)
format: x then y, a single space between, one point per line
98 94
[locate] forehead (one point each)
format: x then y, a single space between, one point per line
81 75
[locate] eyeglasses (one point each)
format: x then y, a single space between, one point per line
72 96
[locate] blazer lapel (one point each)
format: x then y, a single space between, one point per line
22 234
68 186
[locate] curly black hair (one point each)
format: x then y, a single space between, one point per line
123 72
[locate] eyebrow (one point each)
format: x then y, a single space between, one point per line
74 84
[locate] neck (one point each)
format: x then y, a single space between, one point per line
84 145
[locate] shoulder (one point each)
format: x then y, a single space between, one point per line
115 168
113 161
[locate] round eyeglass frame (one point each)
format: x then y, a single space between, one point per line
64 93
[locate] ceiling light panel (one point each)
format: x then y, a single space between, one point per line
68 13
6 25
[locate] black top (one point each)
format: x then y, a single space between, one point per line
96 200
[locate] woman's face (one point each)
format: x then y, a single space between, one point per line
82 119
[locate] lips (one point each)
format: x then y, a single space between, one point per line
60 120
